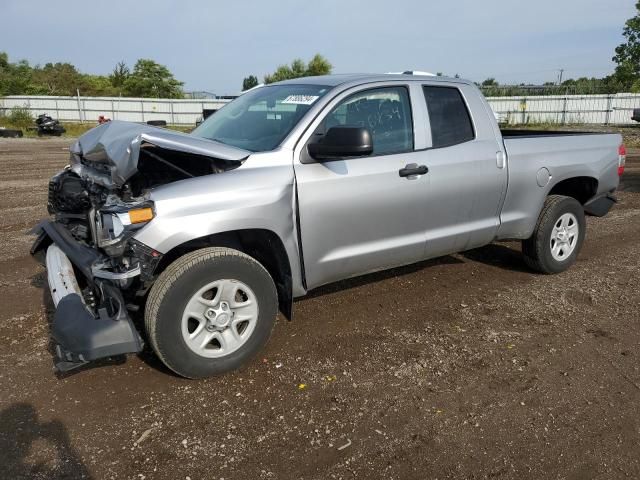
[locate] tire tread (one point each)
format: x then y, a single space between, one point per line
168 278
533 247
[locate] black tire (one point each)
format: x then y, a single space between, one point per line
157 123
176 286
7 133
537 248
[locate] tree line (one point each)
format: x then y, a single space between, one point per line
147 79
318 65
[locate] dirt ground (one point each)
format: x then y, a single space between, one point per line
468 366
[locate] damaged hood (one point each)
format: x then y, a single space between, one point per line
109 153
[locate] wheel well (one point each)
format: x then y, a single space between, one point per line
581 188
263 245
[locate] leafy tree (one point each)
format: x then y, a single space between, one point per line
627 55
298 68
249 82
584 85
283 72
119 74
150 79
98 85
56 79
318 65
490 82
14 77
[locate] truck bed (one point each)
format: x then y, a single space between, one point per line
555 156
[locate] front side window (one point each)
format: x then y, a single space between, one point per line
260 120
385 112
448 115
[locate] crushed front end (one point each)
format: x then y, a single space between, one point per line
97 272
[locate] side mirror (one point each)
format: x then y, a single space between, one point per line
340 142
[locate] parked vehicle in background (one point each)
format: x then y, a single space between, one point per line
292 186
46 125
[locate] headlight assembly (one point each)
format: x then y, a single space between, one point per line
115 224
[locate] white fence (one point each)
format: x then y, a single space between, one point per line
81 109
566 109
595 109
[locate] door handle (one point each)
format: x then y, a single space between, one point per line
500 159
413 169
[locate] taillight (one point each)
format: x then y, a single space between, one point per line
622 159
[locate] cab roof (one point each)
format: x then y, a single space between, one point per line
359 78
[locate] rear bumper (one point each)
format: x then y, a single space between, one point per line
80 332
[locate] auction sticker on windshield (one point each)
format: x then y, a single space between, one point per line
301 99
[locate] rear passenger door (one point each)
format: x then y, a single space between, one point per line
467 170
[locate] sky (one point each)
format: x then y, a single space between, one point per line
212 46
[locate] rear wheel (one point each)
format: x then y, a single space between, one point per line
558 236
210 311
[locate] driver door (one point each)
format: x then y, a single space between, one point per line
359 214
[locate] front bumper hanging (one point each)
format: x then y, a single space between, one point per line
81 334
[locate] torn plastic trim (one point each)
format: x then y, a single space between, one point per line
81 256
109 153
82 337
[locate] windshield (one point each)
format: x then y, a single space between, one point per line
259 120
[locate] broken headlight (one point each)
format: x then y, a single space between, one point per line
115 225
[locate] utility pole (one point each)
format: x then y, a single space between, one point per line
560 76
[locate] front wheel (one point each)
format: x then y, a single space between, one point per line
210 311
558 236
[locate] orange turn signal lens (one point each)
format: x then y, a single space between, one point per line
140 215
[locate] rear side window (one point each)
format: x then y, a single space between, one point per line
448 115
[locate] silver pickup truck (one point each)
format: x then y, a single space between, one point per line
195 241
